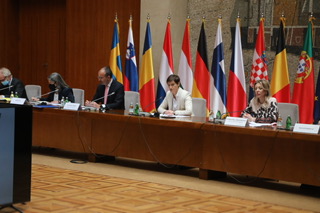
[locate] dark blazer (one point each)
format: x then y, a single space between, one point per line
63 92
17 86
115 101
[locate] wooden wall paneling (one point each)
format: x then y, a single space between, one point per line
42 42
9 22
89 31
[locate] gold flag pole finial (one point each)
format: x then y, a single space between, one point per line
130 17
148 17
116 17
169 17
262 16
311 17
238 16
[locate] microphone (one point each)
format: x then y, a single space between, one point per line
223 116
47 93
156 114
226 114
97 99
8 87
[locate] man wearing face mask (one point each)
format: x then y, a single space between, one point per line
10 84
59 88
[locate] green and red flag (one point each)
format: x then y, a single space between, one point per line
303 92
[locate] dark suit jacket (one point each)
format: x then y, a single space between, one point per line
115 101
17 86
63 92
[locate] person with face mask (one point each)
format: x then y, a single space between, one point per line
177 101
9 84
59 88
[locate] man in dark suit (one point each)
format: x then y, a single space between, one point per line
9 84
110 91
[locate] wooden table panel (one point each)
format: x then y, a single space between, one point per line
261 152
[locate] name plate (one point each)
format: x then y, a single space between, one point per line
71 106
19 101
235 121
306 128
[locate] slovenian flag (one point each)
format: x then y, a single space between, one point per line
131 73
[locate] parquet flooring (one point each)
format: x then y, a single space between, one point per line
68 191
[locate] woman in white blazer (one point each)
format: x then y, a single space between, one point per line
177 101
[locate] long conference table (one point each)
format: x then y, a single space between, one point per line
213 148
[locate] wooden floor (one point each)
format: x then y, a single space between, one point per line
69 191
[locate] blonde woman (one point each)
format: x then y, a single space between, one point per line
262 108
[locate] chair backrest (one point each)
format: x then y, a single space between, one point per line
33 91
131 97
199 107
78 96
286 109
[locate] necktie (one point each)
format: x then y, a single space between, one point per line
106 94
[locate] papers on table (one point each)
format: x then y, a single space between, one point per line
254 124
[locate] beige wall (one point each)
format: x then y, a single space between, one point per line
159 11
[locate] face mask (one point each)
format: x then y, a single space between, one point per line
52 87
5 83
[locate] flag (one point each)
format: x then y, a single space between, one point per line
185 65
115 59
131 74
166 66
280 85
146 81
201 82
237 96
259 70
317 101
218 77
303 90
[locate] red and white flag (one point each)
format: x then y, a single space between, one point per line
185 65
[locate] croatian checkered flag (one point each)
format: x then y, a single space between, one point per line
259 69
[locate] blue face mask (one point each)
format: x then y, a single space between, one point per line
5 83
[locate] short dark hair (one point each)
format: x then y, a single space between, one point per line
174 78
108 72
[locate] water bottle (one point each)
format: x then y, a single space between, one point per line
16 95
211 116
62 102
11 95
279 121
131 109
67 100
136 109
218 115
288 122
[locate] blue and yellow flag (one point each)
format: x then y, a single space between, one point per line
115 59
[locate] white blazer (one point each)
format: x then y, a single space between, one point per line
184 103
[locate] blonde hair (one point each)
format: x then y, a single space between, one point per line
266 87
